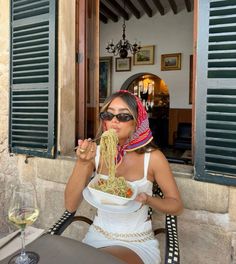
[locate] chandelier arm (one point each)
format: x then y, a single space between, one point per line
123 46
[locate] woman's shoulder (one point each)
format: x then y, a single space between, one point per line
157 156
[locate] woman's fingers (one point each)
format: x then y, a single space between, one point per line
86 149
142 198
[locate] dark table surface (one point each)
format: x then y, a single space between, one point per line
58 249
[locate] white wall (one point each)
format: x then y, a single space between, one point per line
170 34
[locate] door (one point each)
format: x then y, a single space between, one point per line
87 68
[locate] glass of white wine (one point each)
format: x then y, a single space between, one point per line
23 210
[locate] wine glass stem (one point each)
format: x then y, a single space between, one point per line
23 254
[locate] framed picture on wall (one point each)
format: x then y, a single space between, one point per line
171 62
105 76
190 78
123 64
145 56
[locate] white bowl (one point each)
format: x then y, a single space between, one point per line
107 198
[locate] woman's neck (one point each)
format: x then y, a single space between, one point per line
122 143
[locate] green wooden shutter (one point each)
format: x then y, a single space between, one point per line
33 77
215 157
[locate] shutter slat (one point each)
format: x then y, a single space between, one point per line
214 167
223 12
222 21
23 56
214 30
217 46
221 151
221 38
25 127
30 50
221 74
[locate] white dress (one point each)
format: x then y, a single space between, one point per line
131 230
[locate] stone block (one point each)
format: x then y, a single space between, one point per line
217 198
202 243
198 195
232 204
27 168
194 194
4 22
181 170
3 131
4 99
55 170
233 248
51 203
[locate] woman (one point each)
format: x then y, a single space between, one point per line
127 236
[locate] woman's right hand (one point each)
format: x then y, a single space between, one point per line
86 150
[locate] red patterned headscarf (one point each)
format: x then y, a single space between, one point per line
142 135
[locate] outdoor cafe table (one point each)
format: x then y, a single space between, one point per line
57 249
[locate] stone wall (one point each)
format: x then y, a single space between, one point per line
8 165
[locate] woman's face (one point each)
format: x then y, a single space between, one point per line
123 129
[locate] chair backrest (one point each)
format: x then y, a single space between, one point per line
172 253
184 130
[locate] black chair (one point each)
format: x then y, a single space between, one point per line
183 136
172 253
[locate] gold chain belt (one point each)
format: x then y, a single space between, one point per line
127 237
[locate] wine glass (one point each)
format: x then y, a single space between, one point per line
23 210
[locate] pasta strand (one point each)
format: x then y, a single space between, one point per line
108 151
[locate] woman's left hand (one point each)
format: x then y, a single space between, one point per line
142 198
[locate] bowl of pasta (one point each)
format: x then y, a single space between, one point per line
112 190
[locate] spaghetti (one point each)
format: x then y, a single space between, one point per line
108 149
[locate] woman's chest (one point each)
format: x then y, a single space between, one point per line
131 168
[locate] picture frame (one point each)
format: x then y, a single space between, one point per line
171 62
123 64
190 78
145 56
105 78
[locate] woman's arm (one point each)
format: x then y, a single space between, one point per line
159 170
81 174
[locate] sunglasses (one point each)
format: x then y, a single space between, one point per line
122 117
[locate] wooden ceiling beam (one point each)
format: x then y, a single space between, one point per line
108 13
120 10
103 18
132 9
146 7
188 5
159 6
173 6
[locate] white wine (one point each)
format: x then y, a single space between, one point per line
23 216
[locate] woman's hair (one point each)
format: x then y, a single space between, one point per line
131 102
128 98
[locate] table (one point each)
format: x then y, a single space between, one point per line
57 249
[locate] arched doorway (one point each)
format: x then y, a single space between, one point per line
154 94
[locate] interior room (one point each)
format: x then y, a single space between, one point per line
164 88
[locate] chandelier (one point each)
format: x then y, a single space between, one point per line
123 46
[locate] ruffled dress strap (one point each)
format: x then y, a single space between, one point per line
146 163
97 157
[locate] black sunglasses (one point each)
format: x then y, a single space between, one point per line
122 117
